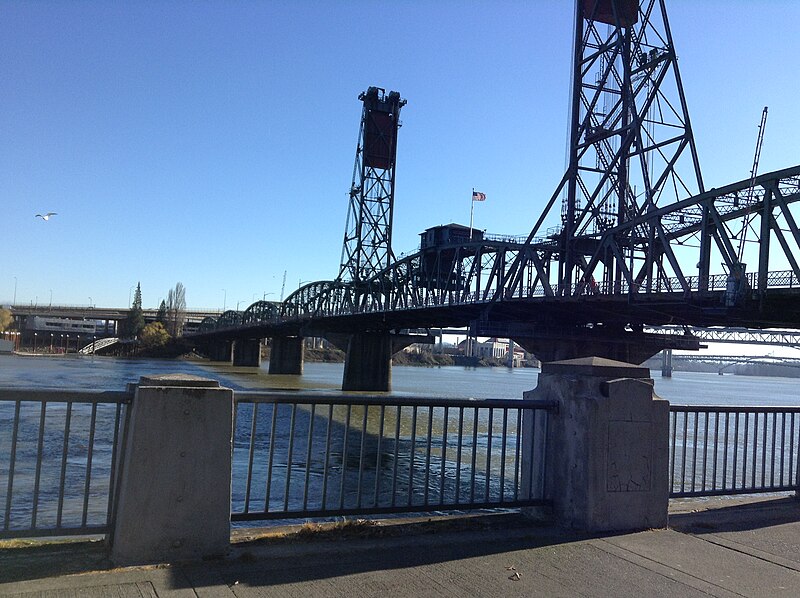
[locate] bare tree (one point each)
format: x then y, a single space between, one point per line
176 309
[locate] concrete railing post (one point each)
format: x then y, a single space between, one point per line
606 459
174 494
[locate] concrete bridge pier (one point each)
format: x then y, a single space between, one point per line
286 355
247 352
220 350
368 364
666 363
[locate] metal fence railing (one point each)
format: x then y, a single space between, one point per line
733 450
59 451
314 457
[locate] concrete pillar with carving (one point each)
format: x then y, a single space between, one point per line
606 459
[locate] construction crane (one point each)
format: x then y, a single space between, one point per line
751 191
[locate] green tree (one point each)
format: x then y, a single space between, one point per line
6 319
134 323
161 316
154 335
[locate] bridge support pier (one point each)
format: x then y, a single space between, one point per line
666 363
368 364
220 350
286 355
247 352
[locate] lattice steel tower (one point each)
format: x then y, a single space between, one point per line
368 233
630 137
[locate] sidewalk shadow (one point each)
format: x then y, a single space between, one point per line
744 516
332 555
21 561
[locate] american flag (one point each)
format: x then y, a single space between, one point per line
478 196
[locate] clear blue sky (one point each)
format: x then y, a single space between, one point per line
212 143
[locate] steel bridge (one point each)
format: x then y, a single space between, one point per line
638 241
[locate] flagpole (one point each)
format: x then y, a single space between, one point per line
471 211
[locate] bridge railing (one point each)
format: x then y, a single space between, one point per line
720 450
310 456
58 460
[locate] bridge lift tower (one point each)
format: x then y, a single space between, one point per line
631 147
367 246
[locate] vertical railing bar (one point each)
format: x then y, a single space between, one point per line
378 457
745 451
694 449
443 471
755 449
249 478
684 452
735 450
705 449
459 451
347 416
89 455
716 451
517 449
327 458
474 453
791 454
764 449
361 456
12 466
411 455
396 454
271 458
63 466
489 425
725 452
503 456
289 458
428 454
39 451
674 448
783 449
309 451
543 442
796 470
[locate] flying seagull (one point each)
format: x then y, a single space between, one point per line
46 216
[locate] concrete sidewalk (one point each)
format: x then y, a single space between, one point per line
717 547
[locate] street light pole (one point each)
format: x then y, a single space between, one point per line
224 299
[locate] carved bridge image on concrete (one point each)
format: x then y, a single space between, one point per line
630 238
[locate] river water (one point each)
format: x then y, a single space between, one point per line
106 373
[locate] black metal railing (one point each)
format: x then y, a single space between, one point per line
59 452
733 450
300 456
